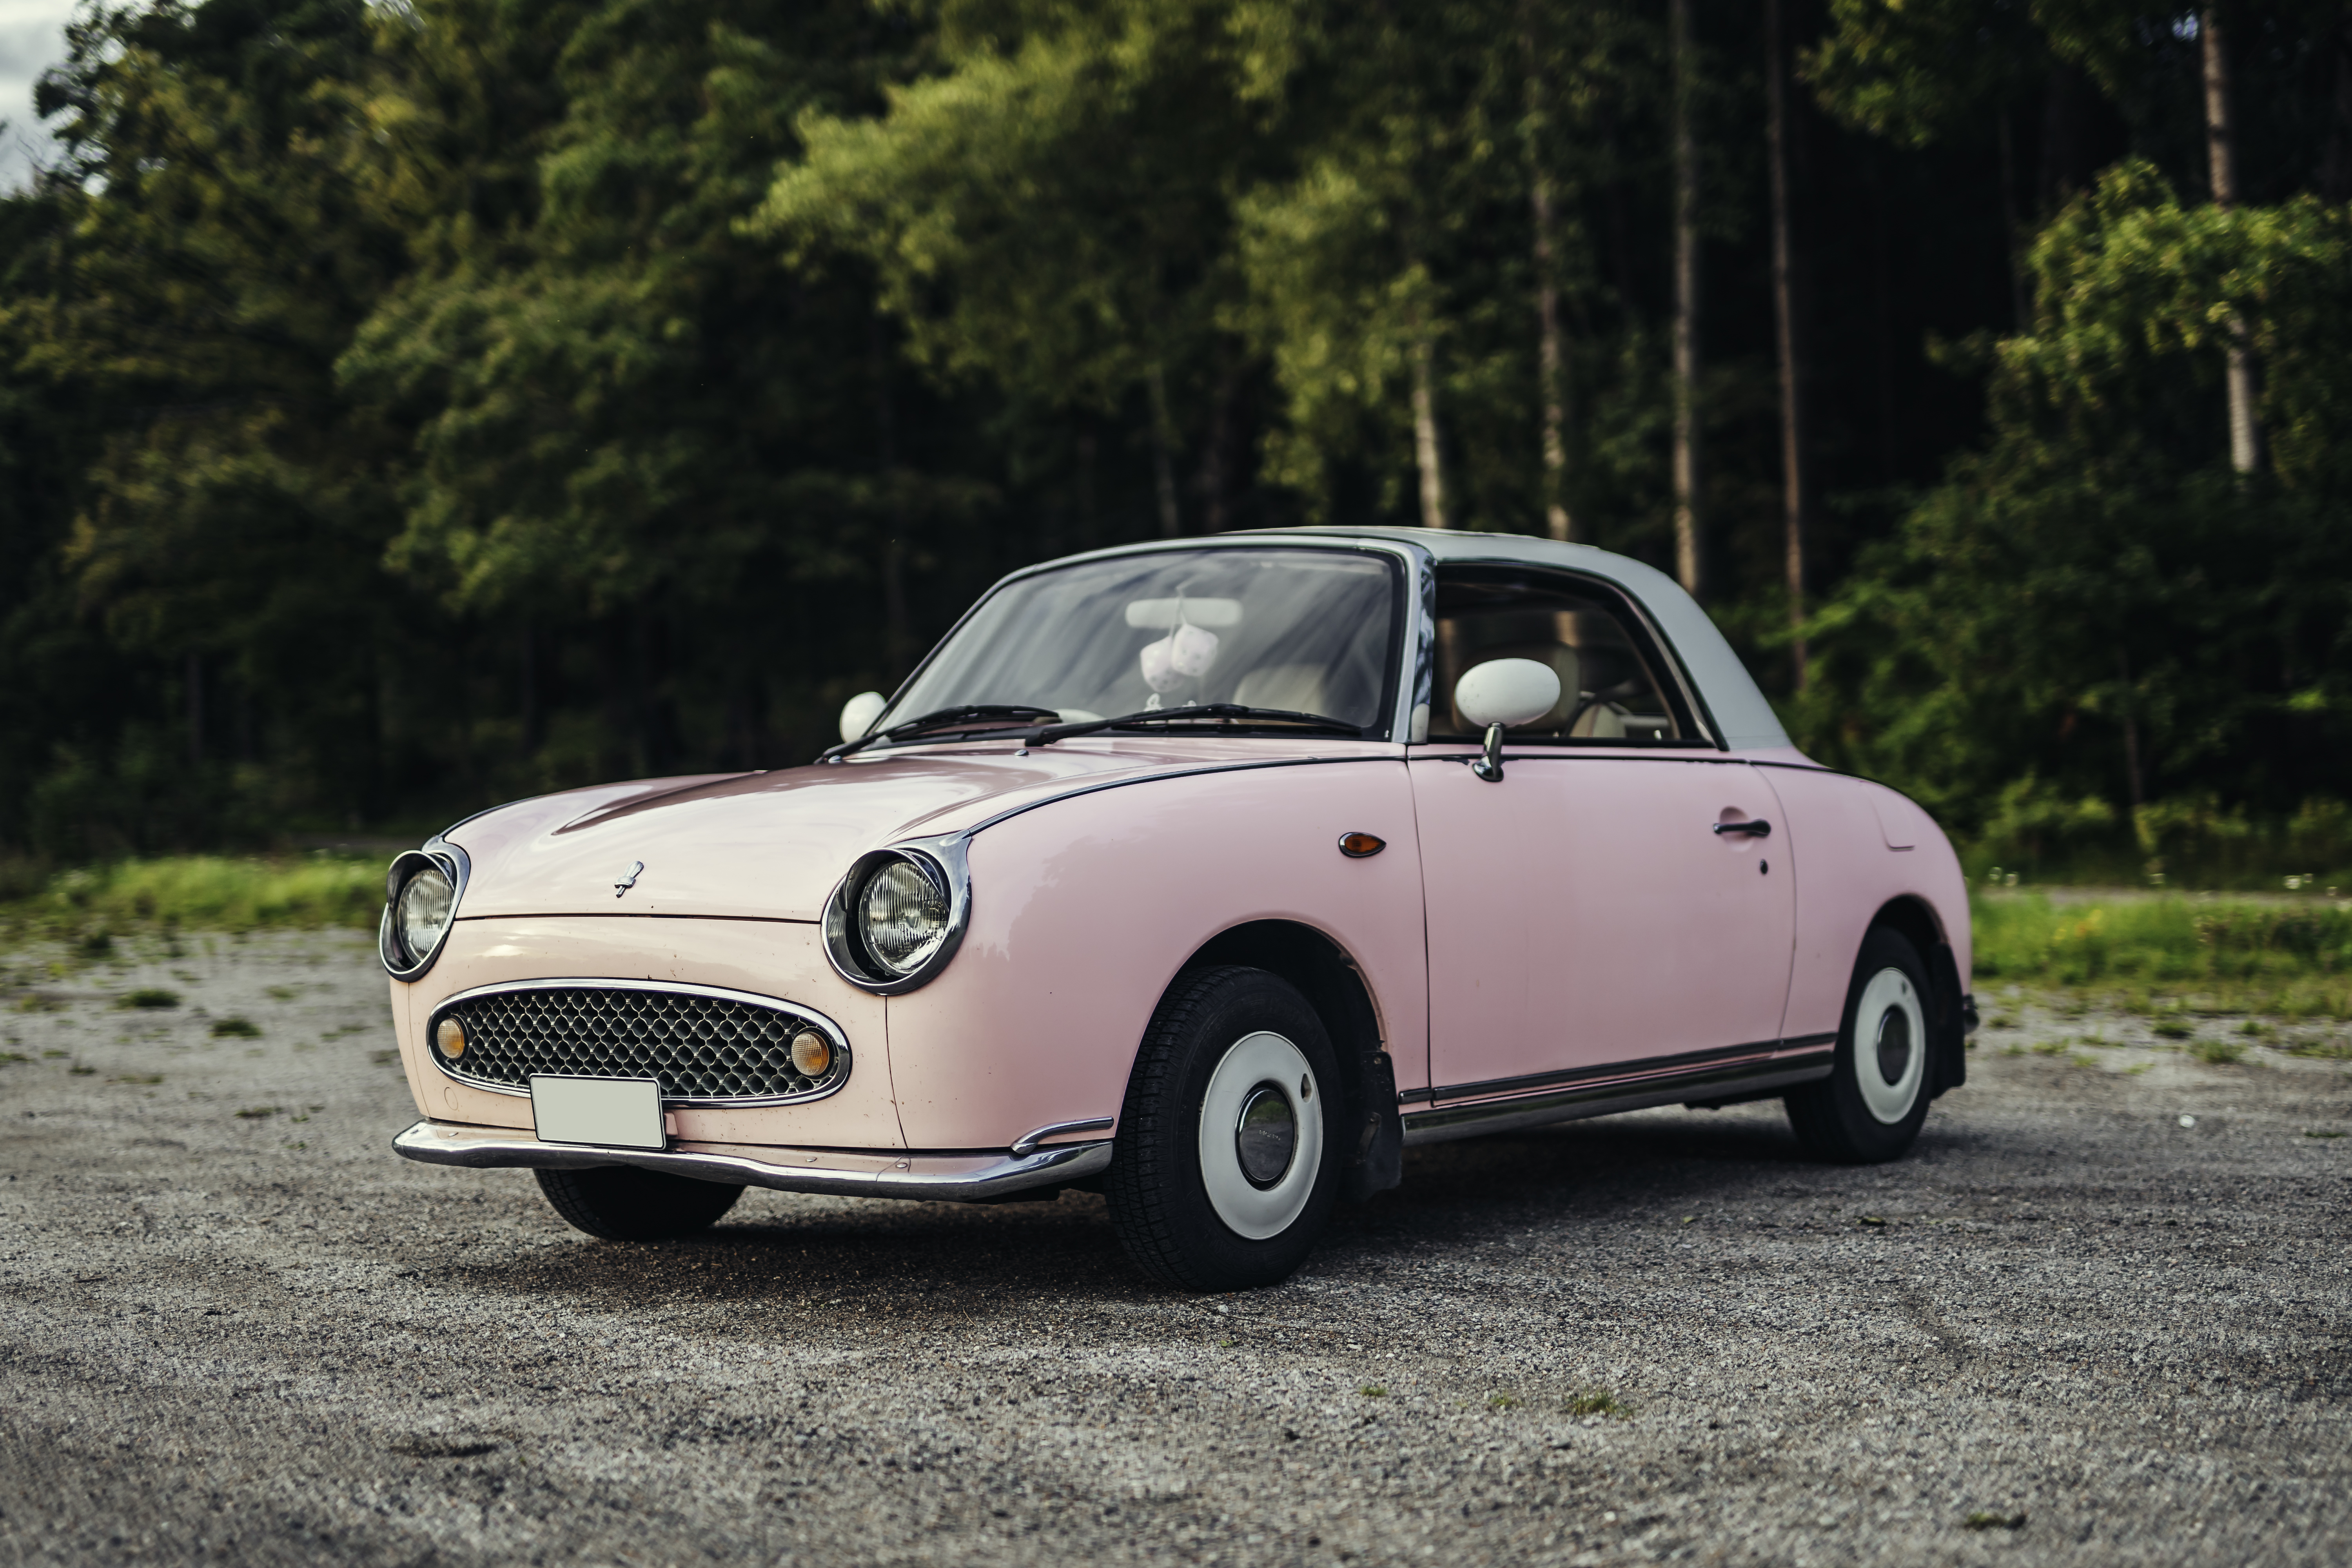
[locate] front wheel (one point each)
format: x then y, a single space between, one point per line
1871 1105
1227 1159
625 1203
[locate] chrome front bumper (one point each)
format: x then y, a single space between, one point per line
849 1174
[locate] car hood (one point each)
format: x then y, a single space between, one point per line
770 845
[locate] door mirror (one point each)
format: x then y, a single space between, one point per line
1506 691
857 714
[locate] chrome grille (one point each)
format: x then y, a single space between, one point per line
697 1046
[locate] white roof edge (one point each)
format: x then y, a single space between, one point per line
1741 714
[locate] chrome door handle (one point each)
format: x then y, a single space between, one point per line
1759 828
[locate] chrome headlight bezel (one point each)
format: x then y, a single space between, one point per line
940 862
392 949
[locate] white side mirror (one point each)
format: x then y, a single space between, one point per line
857 714
1506 691
1499 694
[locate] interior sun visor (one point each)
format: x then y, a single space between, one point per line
1165 615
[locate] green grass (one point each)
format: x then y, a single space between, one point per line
2292 959
235 1029
208 892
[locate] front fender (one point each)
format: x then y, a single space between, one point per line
1084 909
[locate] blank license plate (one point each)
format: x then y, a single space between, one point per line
624 1113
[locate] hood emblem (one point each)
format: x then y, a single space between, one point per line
628 879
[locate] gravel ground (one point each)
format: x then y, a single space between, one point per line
2071 1327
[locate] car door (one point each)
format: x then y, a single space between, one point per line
1615 896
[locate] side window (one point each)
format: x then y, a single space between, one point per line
1613 686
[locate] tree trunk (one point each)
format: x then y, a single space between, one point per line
533 723
2245 420
1689 564
898 634
1424 427
2131 732
1551 389
2334 180
2013 228
1163 455
1217 452
196 666
1785 324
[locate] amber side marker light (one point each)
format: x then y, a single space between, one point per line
1357 845
812 1053
450 1038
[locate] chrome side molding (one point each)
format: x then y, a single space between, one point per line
1572 1102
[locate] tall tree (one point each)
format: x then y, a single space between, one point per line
1689 564
1788 338
2222 154
1550 370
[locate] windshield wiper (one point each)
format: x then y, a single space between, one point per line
1050 733
946 719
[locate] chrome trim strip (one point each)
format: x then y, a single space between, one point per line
458 866
1394 753
826 1026
1470 1121
854 1173
1641 1068
1036 1135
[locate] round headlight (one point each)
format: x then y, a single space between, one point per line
423 912
902 915
421 894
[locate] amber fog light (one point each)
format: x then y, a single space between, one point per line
811 1054
450 1038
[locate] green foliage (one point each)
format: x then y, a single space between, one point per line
413 405
2293 957
2094 609
207 892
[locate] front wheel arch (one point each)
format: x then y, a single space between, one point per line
1335 987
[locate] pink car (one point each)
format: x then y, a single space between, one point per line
1207 874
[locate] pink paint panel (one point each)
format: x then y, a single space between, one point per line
1083 912
1583 910
1846 872
769 958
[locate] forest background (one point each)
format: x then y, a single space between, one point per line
411 405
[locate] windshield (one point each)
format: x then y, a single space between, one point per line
1304 631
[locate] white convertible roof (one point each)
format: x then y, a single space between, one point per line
1740 711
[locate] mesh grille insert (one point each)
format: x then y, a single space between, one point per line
698 1048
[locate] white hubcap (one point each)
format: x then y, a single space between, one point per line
1260 1136
1890 1046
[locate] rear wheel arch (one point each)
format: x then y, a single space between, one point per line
1916 921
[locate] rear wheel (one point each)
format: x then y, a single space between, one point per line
1227 1162
623 1202
1873 1103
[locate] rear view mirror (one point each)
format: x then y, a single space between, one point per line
857 714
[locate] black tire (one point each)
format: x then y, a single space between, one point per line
1845 1119
623 1202
1160 1197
